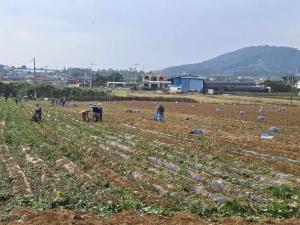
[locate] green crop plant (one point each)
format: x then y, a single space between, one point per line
236 207
284 191
281 210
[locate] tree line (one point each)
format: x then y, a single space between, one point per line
100 80
286 84
22 89
100 77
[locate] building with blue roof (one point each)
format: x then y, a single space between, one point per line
188 83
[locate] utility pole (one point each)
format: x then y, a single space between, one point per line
91 75
292 84
135 72
84 80
34 75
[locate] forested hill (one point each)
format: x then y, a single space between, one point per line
260 60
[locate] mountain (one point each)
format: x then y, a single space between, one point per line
259 60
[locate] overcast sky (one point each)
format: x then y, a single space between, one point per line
153 33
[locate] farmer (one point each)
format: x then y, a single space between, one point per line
85 115
38 113
97 111
100 111
63 101
160 113
16 100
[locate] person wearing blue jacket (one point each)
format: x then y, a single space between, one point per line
98 112
160 114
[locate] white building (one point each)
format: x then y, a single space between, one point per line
116 84
155 81
297 84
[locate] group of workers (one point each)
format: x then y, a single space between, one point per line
61 101
97 113
18 99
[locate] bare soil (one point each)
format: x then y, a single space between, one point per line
57 217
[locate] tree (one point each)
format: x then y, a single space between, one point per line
21 88
277 86
115 76
288 80
99 80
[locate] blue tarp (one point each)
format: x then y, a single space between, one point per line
266 136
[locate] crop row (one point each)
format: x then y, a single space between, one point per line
91 150
33 158
213 183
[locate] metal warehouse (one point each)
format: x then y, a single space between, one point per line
231 87
188 83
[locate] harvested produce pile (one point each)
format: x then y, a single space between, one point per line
131 162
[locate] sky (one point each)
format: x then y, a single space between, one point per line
151 33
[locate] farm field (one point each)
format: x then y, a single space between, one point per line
131 169
245 99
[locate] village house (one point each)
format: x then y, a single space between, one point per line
155 81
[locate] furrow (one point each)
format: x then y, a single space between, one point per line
20 182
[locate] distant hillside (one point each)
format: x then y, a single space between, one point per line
260 60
